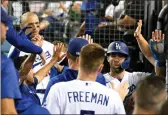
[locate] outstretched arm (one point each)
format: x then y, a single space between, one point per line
21 43
143 44
28 63
153 55
56 57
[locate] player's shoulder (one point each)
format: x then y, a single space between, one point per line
5 60
137 74
107 75
62 85
57 78
104 89
47 43
4 57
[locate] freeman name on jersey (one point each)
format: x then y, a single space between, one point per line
89 97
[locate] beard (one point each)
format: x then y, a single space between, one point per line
117 70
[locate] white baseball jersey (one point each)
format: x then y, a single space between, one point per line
115 12
132 79
83 97
37 65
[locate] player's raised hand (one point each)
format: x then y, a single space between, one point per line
157 44
39 41
157 36
88 38
138 29
37 37
122 89
58 55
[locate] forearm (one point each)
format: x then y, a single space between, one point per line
126 21
44 71
145 49
81 30
8 106
160 71
22 44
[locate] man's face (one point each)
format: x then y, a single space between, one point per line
33 22
30 76
4 28
5 3
115 60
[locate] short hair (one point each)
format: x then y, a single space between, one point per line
164 110
18 61
72 57
25 16
91 57
151 93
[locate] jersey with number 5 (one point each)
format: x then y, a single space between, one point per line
83 97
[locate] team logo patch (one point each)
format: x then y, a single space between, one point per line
117 46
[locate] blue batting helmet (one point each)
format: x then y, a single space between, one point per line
118 47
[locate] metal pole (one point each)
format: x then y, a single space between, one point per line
167 77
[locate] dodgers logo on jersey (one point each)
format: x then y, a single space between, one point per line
38 60
117 46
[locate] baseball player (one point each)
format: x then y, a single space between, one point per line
28 83
118 58
73 53
21 42
84 95
9 80
32 20
154 50
30 102
119 50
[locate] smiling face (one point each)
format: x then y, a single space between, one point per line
32 20
115 60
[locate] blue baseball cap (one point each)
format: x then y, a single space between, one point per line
5 18
75 45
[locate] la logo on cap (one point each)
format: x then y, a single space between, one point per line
118 47
77 53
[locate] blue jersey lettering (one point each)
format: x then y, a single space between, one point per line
88 97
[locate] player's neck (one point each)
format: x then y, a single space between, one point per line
117 75
73 66
138 110
84 76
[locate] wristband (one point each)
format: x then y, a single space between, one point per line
160 63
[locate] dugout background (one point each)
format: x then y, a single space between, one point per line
63 27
